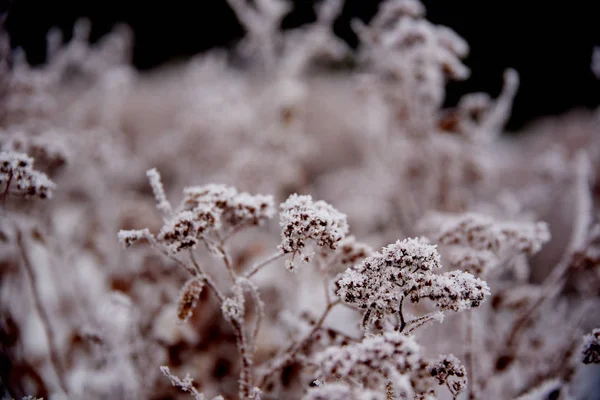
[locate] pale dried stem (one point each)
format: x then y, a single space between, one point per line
55 359
262 263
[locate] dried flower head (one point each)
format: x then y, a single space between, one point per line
303 219
448 370
235 209
186 228
373 362
483 233
348 252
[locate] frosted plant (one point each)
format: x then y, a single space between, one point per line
303 220
19 178
478 243
185 384
379 359
208 213
591 348
405 269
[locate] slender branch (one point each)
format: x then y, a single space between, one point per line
262 263
420 321
401 315
55 359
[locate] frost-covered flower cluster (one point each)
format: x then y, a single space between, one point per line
448 370
234 209
591 347
206 211
405 269
303 220
19 178
479 243
373 362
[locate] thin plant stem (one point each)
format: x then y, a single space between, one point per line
55 359
262 263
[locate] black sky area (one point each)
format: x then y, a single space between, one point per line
550 43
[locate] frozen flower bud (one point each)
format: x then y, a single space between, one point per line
159 192
591 348
447 370
233 307
190 294
129 237
374 361
303 219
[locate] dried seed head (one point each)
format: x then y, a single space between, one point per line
188 300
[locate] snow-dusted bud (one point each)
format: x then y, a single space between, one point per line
233 308
159 192
129 237
303 219
591 348
190 293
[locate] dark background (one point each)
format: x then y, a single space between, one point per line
550 43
